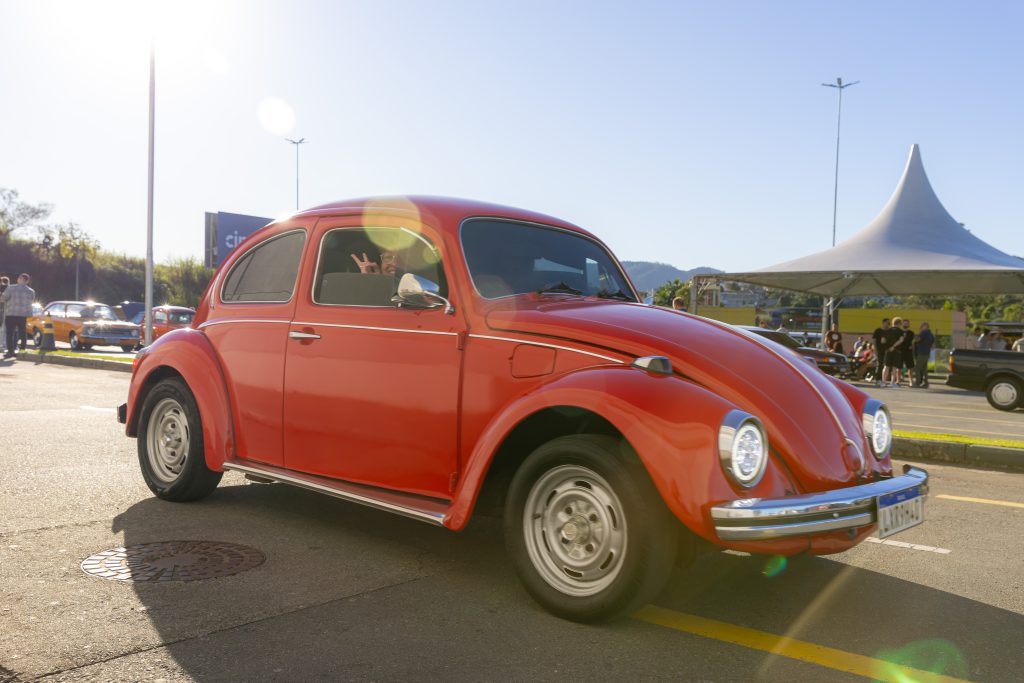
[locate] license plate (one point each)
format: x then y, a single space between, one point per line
899 510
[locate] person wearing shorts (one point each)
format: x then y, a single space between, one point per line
893 354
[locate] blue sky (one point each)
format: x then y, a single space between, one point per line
692 133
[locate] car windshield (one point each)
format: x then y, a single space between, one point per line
100 312
780 338
507 258
181 317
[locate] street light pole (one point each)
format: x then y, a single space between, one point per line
296 143
840 86
830 304
149 208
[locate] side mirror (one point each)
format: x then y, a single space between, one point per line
419 292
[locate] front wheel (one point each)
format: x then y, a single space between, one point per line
170 444
587 531
1005 393
37 338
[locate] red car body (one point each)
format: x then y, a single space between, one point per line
416 410
166 319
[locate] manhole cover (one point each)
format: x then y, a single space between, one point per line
173 561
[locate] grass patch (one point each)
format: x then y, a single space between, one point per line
959 438
127 358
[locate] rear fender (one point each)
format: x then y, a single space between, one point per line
671 423
187 353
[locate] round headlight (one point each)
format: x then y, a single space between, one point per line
743 447
878 427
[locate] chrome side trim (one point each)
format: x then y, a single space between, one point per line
533 342
338 489
378 329
225 321
758 519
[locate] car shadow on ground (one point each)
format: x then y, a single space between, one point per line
350 592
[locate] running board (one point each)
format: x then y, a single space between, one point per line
415 507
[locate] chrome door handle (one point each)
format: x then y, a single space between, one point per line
295 334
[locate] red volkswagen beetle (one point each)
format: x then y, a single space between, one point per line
430 357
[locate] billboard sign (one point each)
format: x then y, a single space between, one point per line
231 229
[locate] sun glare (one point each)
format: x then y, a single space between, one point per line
276 116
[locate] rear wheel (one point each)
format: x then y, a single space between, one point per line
587 531
1005 393
73 341
127 349
170 444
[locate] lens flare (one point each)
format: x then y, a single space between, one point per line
775 565
934 655
276 116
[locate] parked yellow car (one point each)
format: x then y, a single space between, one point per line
84 324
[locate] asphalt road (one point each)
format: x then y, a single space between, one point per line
348 593
947 410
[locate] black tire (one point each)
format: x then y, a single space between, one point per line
37 338
1005 393
170 444
127 349
73 342
586 530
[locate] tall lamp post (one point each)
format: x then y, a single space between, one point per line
296 143
829 307
148 333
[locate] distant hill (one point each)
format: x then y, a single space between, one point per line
649 275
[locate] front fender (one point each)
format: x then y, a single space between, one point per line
670 422
188 353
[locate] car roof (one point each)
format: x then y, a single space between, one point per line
443 213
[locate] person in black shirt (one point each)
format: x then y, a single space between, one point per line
893 353
881 339
908 351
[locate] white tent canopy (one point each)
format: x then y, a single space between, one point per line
913 246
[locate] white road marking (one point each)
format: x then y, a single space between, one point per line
99 410
908 546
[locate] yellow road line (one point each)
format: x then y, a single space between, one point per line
859 665
990 433
986 501
1008 424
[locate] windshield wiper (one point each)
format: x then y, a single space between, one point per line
558 288
617 294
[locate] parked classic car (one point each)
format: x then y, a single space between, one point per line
432 357
83 324
830 363
166 318
1000 374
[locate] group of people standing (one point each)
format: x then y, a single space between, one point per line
897 349
15 308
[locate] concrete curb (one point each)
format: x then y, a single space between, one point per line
74 361
968 454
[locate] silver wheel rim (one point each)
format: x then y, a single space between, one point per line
575 530
73 341
1004 393
167 438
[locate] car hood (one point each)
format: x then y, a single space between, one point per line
109 324
809 420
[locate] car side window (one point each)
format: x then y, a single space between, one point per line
75 310
266 274
362 266
55 311
160 317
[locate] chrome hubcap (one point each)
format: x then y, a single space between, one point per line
167 439
575 530
1004 393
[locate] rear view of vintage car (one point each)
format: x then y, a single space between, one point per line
433 357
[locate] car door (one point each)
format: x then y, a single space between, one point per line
56 313
248 326
371 389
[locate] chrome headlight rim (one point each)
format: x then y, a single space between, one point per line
734 426
869 419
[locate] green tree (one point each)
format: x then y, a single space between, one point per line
16 215
663 295
182 281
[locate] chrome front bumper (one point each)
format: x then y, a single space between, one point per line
760 519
